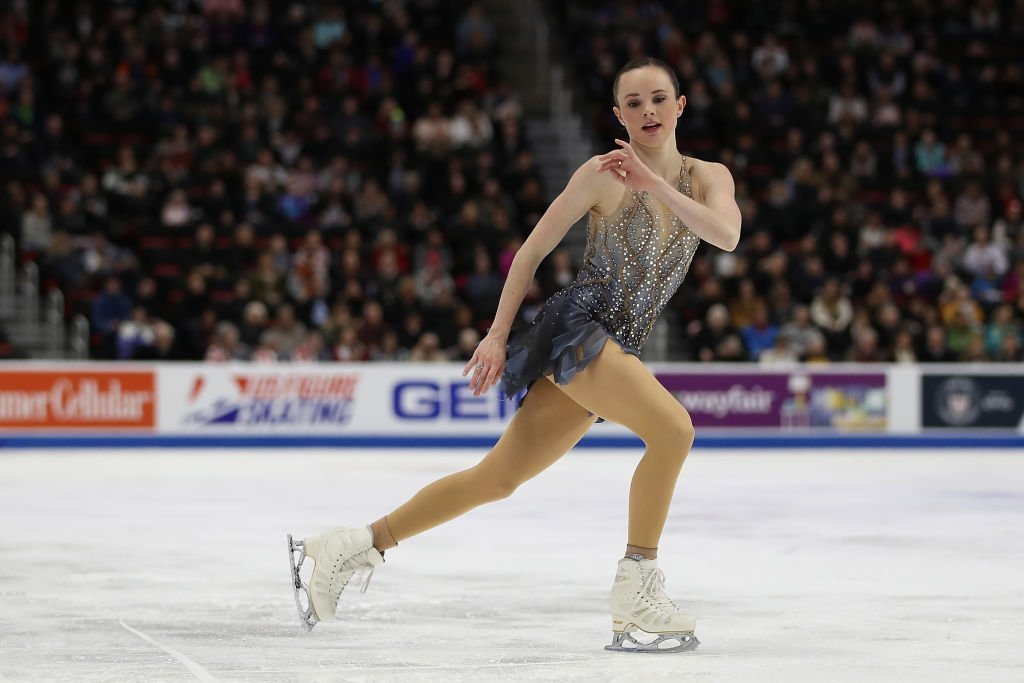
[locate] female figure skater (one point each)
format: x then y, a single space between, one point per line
649 207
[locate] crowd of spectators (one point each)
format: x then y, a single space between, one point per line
267 180
878 152
282 180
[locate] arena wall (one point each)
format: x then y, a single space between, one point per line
430 405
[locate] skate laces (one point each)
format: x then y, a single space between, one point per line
654 588
364 571
364 579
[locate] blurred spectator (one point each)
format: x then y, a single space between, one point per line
310 268
176 211
226 345
428 349
389 349
483 287
433 281
760 334
285 334
800 332
255 319
470 127
37 225
972 207
134 334
931 155
348 347
903 348
713 335
984 257
110 308
312 349
163 347
832 312
465 346
1001 326
935 349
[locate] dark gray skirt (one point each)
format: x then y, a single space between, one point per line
562 340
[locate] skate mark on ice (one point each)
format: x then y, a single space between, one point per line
196 670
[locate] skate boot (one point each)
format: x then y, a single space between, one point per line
639 606
337 555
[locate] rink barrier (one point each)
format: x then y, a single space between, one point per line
766 442
430 405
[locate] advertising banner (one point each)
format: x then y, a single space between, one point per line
76 400
797 400
972 401
345 399
367 404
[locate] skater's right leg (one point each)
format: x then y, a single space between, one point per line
545 427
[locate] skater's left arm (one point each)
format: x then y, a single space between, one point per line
712 213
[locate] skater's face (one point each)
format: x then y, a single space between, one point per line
647 105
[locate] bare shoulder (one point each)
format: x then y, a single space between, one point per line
702 165
707 174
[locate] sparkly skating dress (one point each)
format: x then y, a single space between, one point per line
634 262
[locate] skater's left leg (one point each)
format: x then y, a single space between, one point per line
619 387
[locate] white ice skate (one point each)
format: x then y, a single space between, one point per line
639 605
337 555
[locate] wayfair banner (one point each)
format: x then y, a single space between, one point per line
796 400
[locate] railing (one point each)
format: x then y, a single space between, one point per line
571 139
30 292
20 295
79 341
7 270
573 143
55 324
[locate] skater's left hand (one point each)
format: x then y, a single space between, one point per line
487 364
626 167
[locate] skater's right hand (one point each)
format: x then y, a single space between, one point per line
487 364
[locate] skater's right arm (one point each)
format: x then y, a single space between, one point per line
583 193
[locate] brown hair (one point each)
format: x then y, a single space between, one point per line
639 63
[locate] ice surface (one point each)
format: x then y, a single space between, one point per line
831 566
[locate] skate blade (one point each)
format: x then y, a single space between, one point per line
625 642
306 614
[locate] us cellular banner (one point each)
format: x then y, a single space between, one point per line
797 400
973 401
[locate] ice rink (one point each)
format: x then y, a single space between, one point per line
829 566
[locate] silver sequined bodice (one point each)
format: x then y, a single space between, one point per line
634 262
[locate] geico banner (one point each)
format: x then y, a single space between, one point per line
63 399
358 399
